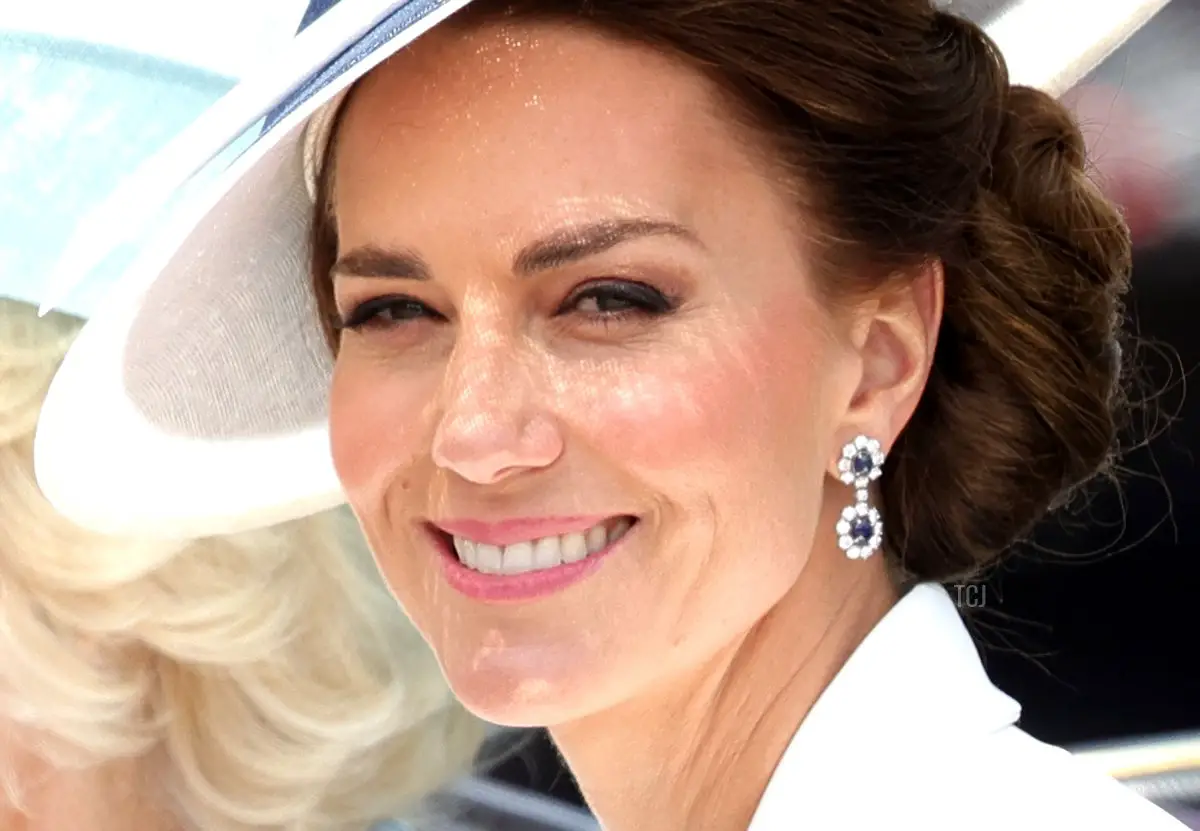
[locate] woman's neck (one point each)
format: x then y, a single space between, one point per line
698 751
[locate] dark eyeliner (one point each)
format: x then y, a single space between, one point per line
369 310
649 299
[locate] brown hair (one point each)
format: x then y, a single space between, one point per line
911 146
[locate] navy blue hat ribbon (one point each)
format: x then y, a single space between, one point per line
403 18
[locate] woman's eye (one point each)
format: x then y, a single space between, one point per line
617 299
388 312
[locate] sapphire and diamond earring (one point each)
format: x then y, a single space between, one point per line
860 528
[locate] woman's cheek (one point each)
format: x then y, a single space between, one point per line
668 411
377 424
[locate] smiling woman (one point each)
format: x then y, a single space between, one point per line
673 353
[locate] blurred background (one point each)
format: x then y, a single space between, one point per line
1092 625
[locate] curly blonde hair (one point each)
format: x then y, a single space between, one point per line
268 678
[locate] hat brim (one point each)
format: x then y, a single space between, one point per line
142 433
137 433
104 455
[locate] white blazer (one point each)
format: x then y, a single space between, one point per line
911 734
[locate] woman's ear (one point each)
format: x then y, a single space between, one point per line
900 331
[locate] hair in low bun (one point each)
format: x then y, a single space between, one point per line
906 143
1022 404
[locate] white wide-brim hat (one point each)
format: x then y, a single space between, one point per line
194 401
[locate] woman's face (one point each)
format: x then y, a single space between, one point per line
584 346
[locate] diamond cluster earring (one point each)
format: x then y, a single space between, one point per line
860 528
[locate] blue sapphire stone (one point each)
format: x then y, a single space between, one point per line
862 529
862 463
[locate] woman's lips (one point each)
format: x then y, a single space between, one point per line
525 558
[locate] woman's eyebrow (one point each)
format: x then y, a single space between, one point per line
578 242
374 261
554 250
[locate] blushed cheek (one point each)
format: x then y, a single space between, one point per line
710 404
651 413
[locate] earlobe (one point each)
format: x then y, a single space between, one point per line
897 353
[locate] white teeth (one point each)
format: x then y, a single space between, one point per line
466 551
489 558
618 530
573 546
548 552
597 538
518 558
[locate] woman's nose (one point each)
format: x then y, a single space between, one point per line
497 421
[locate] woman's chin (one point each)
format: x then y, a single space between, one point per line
511 700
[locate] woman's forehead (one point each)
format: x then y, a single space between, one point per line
524 114
526 75
489 54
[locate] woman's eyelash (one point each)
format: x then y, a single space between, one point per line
609 300
617 299
388 310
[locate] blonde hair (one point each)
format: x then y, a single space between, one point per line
268 677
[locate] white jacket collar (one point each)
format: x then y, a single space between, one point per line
915 682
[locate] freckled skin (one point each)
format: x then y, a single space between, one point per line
715 424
